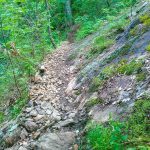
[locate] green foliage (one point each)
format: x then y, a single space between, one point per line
72 56
85 30
145 19
94 101
16 108
1 117
97 13
134 31
131 133
141 76
96 82
138 123
104 138
148 48
133 67
130 68
106 39
105 74
100 44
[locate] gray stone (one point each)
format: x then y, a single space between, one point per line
22 148
71 86
64 123
31 126
12 136
48 112
33 113
45 105
23 134
56 115
36 135
38 117
55 141
72 114
29 109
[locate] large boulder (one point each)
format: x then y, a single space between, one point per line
55 141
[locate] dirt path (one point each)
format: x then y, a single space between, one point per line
52 85
50 110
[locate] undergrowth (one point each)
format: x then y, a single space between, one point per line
94 101
108 16
148 48
131 133
108 34
130 68
123 67
100 44
145 19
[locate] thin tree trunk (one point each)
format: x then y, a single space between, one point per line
14 75
49 21
69 13
108 3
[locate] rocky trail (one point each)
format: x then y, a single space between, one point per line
51 108
60 101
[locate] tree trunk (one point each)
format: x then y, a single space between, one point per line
49 21
68 12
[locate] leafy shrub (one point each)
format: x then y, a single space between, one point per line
131 133
138 123
109 137
145 19
100 44
148 48
119 25
130 68
134 31
16 109
85 30
93 102
141 76
105 74
1 117
96 82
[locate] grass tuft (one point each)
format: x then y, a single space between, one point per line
148 48
130 68
93 102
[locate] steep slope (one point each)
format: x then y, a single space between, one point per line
84 81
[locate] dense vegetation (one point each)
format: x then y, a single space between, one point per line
131 133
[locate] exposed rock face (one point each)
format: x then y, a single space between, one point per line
55 141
